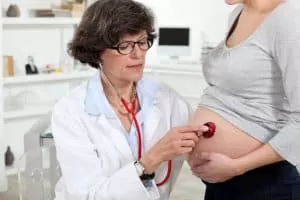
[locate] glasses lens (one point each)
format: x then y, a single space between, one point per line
144 44
125 47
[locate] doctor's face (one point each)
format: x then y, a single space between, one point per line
125 61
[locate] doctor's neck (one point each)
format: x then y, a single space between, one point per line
115 88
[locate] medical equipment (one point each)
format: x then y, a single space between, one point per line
132 110
139 137
211 130
207 134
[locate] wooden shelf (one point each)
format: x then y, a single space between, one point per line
44 78
41 21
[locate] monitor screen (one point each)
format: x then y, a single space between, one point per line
174 36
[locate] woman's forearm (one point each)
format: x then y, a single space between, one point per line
263 156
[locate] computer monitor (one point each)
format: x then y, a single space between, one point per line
174 42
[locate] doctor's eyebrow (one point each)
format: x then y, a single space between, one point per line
139 39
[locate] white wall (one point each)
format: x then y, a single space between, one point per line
206 18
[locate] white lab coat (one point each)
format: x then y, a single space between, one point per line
95 158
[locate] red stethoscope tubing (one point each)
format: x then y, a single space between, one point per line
208 134
139 138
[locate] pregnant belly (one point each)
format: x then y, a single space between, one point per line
228 139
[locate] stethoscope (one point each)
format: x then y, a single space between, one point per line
139 138
208 134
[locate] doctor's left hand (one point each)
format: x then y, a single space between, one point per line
215 167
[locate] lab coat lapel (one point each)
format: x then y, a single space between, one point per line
116 137
154 127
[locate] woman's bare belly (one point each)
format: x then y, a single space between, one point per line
228 139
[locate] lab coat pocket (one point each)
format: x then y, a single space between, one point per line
108 144
110 161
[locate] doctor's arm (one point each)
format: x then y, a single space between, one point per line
83 174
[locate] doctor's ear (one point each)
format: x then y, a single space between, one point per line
100 62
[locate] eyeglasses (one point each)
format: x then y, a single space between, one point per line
127 47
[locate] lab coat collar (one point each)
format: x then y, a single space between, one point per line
151 133
96 103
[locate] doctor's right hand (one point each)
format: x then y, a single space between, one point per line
177 141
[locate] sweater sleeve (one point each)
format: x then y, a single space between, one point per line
286 53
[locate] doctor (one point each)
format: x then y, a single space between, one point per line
119 136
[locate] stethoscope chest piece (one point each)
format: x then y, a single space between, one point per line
211 130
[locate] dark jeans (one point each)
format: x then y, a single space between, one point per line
280 181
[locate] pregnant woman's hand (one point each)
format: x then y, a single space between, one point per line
215 167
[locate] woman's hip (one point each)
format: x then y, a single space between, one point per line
276 181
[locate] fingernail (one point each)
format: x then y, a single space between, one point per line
206 128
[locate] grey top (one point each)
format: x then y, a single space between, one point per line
256 84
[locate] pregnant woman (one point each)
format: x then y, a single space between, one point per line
253 97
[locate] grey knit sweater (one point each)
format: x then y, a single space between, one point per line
256 85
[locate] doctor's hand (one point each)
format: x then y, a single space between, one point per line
176 142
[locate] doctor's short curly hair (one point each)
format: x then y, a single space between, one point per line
104 23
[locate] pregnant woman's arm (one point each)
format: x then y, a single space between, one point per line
217 167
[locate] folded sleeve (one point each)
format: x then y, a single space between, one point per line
83 175
286 52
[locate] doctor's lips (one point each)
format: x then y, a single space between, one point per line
135 66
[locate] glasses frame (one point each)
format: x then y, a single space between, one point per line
150 41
